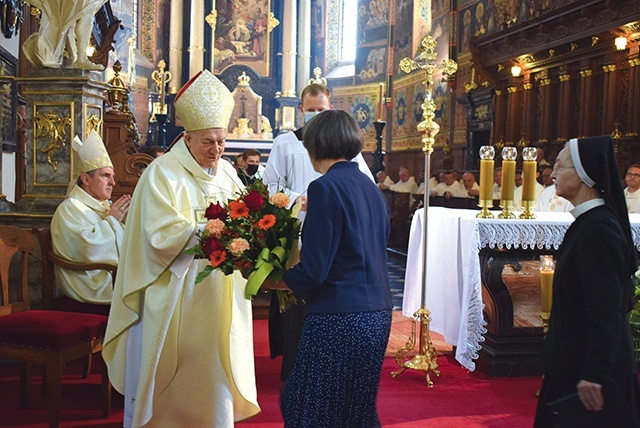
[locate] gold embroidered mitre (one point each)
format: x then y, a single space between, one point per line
204 102
91 154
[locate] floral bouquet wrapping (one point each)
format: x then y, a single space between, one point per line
253 234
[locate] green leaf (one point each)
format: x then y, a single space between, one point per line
204 274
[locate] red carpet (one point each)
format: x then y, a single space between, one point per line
458 398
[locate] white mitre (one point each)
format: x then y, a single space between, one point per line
91 154
204 102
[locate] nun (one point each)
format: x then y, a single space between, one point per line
587 355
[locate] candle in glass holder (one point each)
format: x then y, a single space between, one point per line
486 173
529 174
547 269
508 184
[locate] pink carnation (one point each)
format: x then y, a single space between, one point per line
214 227
238 245
280 200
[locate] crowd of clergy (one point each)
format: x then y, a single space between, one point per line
452 183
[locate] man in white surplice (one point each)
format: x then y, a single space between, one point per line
181 353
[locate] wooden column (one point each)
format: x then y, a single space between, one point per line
587 104
545 131
499 130
633 127
515 115
610 105
529 113
565 108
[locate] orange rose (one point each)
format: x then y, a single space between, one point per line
267 222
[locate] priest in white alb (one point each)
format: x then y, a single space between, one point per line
181 353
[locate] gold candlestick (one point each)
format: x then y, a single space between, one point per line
425 359
486 181
547 269
508 184
161 78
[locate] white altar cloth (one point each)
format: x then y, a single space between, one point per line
453 284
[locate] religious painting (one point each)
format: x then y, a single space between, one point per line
365 103
8 97
371 64
126 38
421 22
242 35
439 7
440 32
403 37
473 21
373 20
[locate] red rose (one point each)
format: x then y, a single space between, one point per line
216 211
211 245
254 201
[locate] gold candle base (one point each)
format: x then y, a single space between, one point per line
545 322
527 213
484 211
426 358
506 212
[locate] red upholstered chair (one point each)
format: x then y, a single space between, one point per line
50 338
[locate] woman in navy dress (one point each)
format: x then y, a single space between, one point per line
342 276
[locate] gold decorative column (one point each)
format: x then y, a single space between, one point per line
425 359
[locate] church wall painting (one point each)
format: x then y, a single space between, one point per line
372 44
421 22
125 12
440 31
365 104
371 64
403 37
242 35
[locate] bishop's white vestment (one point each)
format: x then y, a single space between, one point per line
82 232
181 353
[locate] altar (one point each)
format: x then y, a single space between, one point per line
470 304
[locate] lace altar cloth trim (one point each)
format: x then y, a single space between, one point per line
529 235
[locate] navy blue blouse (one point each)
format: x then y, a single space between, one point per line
343 262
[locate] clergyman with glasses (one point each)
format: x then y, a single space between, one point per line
181 353
632 191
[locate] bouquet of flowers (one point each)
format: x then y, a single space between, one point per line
253 234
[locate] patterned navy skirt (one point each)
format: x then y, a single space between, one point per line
337 372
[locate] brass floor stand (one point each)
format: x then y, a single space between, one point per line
426 358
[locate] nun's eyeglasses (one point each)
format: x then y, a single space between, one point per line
558 167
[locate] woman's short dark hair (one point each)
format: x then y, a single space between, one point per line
332 134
